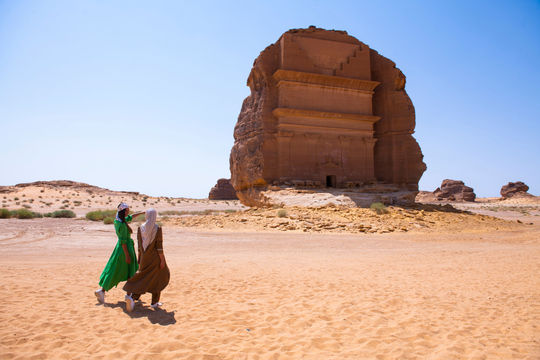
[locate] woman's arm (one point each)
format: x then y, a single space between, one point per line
126 253
162 258
139 245
159 247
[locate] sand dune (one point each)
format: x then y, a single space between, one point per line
275 295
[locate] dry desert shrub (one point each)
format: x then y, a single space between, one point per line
379 208
5 214
100 215
61 214
24 214
282 213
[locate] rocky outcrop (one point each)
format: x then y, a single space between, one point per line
223 190
517 188
63 184
454 190
325 111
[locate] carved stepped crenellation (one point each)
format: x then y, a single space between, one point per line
355 65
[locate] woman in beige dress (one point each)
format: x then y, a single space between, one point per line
153 274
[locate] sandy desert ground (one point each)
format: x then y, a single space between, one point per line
461 286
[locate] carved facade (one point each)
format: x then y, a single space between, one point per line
324 111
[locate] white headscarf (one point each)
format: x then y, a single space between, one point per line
149 228
121 206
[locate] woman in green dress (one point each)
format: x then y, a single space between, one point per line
123 262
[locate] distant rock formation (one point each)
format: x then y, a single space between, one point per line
63 184
517 188
325 111
223 190
454 190
425 197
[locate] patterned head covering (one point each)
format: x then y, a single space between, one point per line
121 206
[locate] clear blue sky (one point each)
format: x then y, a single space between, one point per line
144 95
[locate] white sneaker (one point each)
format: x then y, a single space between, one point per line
156 305
100 294
130 304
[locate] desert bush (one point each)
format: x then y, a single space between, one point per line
41 191
24 214
108 220
140 218
61 214
282 213
379 208
26 206
16 198
99 215
5 214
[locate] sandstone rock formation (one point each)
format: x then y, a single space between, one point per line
223 190
325 111
517 188
454 190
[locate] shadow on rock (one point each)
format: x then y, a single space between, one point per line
447 208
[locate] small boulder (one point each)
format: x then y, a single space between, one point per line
454 190
514 188
223 190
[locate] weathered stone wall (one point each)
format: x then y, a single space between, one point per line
398 158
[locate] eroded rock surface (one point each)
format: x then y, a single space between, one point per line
223 190
517 188
454 190
325 111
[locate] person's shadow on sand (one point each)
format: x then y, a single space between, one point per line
155 316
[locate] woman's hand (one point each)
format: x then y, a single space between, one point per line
126 254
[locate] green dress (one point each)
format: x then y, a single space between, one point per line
117 269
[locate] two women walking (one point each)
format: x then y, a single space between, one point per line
152 275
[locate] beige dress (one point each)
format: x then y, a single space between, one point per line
149 278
